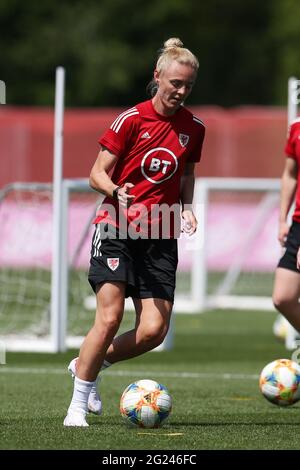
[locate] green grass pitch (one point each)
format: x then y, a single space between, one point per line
211 373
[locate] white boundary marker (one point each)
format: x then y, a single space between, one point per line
132 373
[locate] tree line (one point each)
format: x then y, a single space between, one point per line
246 49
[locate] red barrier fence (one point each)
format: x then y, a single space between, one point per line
240 142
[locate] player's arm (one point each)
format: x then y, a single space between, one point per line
287 194
100 180
187 184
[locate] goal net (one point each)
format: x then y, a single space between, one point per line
25 270
26 255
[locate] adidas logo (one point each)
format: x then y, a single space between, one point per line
146 135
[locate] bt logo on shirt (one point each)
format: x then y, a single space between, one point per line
159 164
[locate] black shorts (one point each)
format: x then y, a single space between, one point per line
288 260
148 267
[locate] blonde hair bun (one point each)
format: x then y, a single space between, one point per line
173 50
172 42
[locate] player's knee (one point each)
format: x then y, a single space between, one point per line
109 320
277 302
155 334
281 302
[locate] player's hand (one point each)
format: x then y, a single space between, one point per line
189 222
124 196
283 232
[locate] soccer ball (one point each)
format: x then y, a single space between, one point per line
279 382
145 404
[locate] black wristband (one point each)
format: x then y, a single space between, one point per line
115 192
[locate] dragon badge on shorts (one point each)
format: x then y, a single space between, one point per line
113 263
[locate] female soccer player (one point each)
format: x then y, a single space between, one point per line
286 291
153 148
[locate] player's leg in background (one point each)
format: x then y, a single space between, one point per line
152 324
286 295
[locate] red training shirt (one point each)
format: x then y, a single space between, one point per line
152 151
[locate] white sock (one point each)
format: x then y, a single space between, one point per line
94 391
81 393
94 396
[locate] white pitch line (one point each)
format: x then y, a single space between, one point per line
129 373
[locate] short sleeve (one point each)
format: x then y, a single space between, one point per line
120 136
292 144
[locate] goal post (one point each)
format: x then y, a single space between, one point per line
58 280
293 99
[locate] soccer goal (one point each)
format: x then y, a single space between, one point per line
240 237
